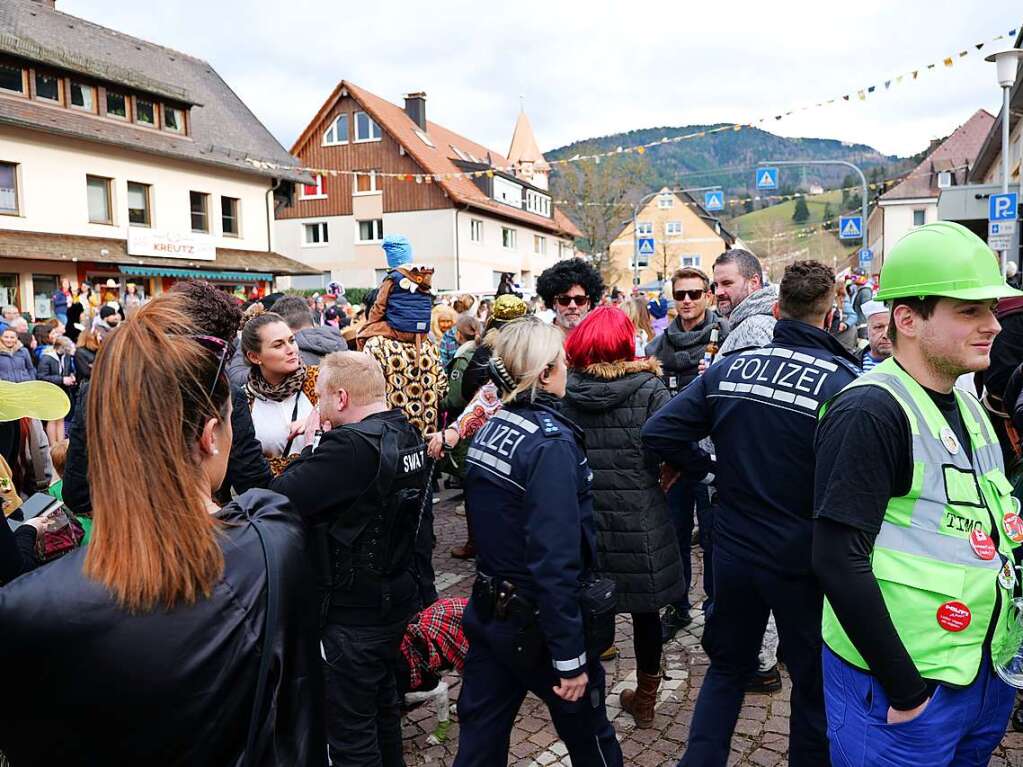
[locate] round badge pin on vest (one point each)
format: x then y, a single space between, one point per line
1007 576
954 616
982 544
948 439
1013 526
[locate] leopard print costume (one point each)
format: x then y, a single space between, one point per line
416 382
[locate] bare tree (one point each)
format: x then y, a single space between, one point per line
599 197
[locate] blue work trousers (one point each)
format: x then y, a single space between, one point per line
682 498
958 728
493 689
744 596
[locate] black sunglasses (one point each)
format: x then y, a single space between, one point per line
564 300
219 347
692 295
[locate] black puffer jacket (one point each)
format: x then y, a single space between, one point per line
636 543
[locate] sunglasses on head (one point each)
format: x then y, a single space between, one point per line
564 300
692 295
219 347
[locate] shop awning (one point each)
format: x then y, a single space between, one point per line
165 271
247 265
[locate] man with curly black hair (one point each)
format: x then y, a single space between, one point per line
570 288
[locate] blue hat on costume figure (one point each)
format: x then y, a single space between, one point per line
398 250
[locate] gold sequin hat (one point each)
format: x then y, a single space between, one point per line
509 307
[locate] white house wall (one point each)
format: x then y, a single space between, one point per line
52 190
898 218
432 235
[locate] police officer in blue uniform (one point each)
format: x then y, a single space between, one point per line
760 407
527 489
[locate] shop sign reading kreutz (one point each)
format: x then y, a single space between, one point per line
156 244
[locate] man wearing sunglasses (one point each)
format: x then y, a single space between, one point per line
570 288
680 348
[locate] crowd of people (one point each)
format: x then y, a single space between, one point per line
245 528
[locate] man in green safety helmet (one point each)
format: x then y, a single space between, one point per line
916 533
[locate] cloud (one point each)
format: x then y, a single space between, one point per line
593 68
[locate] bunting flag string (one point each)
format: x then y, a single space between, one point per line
861 94
871 186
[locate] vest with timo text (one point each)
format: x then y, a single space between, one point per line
762 406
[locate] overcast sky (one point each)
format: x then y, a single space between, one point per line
593 68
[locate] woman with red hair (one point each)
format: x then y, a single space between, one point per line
611 394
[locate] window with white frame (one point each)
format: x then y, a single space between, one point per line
673 228
313 191
644 228
337 133
367 182
315 233
508 237
476 229
539 245
365 128
691 261
8 188
371 230
666 201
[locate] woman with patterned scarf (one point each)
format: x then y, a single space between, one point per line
281 389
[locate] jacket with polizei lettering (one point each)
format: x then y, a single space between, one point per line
760 408
528 497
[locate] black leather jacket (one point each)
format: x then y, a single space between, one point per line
95 685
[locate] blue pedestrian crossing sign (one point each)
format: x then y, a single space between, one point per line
850 227
1002 207
866 256
714 200
645 246
767 178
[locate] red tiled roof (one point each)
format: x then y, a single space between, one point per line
392 118
955 153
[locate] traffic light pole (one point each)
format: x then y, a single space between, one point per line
863 181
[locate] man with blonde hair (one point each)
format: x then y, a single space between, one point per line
360 487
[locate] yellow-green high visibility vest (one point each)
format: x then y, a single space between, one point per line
923 558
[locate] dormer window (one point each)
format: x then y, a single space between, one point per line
47 87
83 96
173 119
117 105
945 179
337 133
12 78
145 112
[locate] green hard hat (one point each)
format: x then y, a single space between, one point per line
942 259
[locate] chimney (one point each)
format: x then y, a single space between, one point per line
415 107
51 4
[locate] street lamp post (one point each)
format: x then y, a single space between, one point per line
635 214
1006 63
863 181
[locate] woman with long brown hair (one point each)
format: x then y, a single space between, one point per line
164 640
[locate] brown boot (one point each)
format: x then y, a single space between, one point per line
468 551
640 702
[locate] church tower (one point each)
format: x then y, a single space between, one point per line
525 155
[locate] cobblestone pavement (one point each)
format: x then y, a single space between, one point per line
761 735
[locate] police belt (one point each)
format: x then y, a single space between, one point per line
502 600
